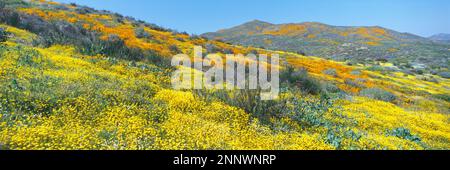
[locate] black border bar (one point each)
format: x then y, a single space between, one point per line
166 159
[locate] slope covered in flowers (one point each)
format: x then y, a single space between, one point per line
59 93
353 44
58 99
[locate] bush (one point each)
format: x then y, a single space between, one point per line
376 68
310 113
141 33
85 10
331 72
113 47
13 4
331 88
445 97
355 72
3 35
355 83
419 72
211 48
175 49
28 57
301 79
404 133
444 75
248 100
428 78
229 51
378 94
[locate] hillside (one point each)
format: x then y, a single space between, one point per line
76 78
356 45
440 38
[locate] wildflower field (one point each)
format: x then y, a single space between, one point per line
74 78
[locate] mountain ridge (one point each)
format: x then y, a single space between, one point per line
341 43
257 22
441 37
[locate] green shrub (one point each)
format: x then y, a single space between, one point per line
428 78
113 47
378 94
307 113
404 133
331 72
175 49
248 100
445 97
211 48
28 57
355 72
13 4
301 79
310 113
355 83
444 75
331 88
3 35
141 33
376 68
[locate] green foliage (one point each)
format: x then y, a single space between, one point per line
330 88
331 72
356 72
444 75
141 33
113 47
211 48
3 35
305 112
248 100
445 97
28 57
12 4
301 79
404 133
310 113
376 68
354 83
378 94
175 49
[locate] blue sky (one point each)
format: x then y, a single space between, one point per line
421 17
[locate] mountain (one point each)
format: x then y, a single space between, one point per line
440 38
76 78
342 43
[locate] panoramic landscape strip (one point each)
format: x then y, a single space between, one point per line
77 78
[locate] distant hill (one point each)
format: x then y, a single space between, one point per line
341 43
441 38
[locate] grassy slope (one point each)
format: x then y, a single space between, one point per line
59 98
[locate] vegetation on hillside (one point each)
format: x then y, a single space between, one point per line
368 46
72 77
